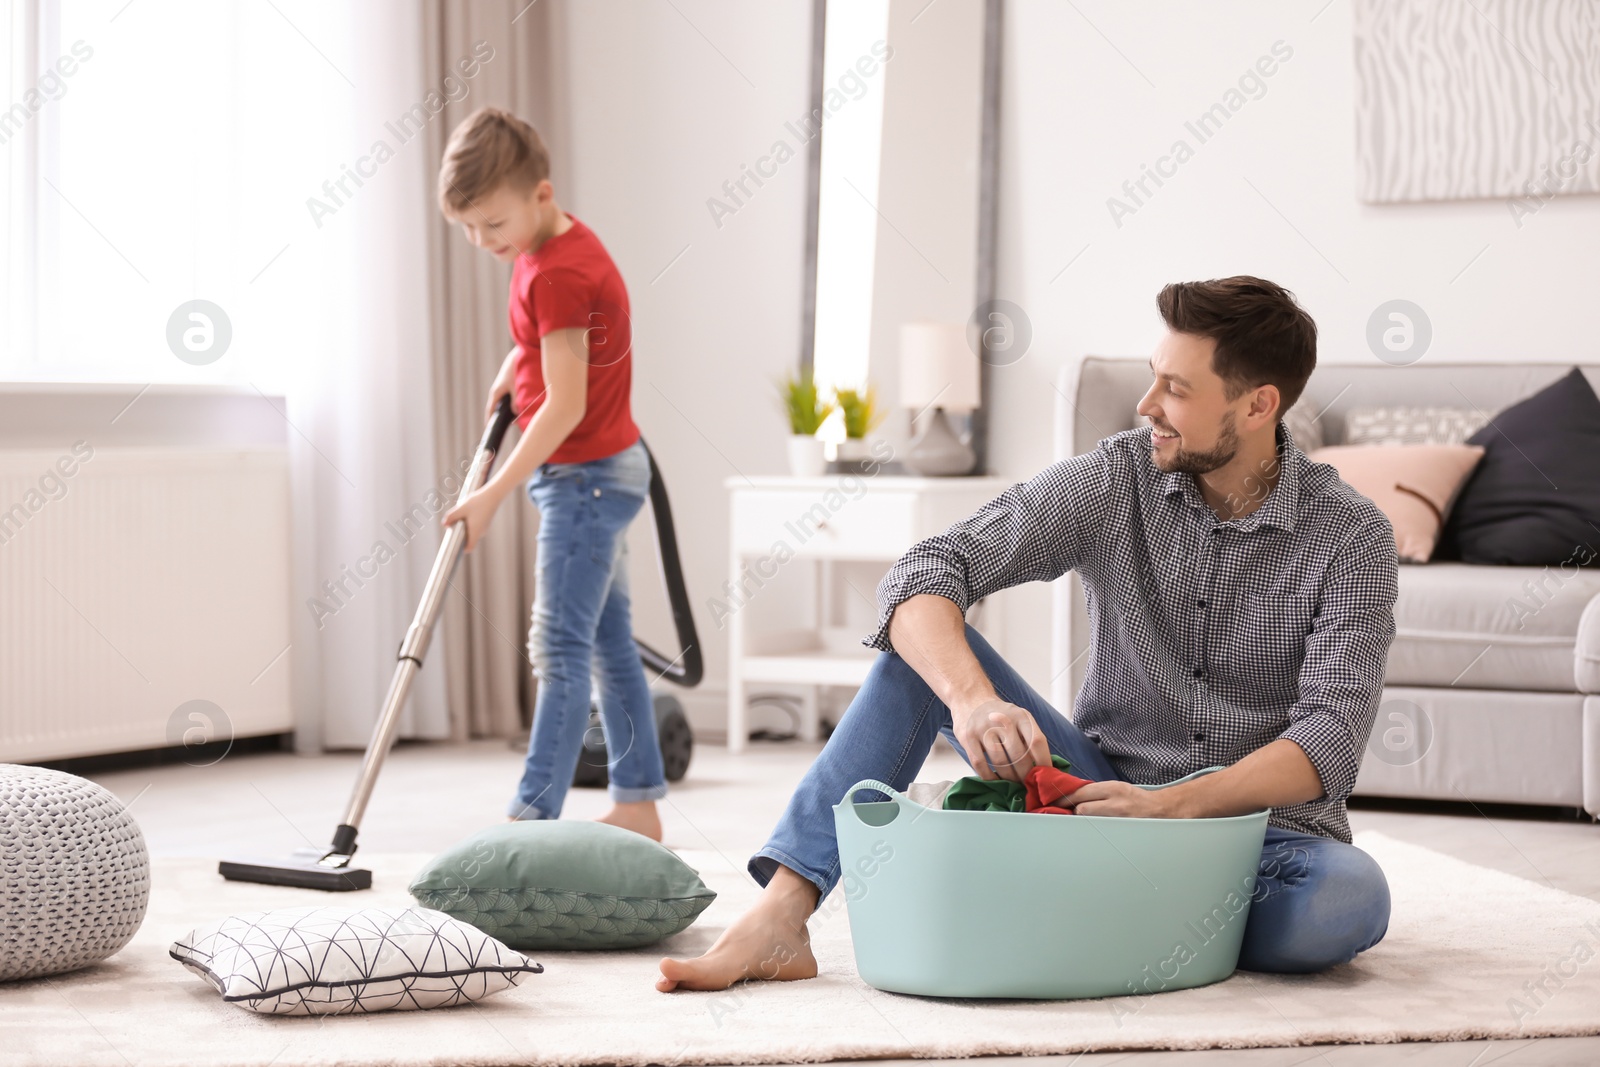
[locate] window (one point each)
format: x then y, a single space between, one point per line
159 153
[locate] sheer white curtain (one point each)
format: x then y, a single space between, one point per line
266 158
372 477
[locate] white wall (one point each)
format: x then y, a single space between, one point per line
664 108
660 120
1080 119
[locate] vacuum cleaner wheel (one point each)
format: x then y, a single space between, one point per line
672 730
592 771
677 740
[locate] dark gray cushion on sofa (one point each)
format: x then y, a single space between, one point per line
1534 500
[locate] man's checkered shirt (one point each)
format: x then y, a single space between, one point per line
1208 639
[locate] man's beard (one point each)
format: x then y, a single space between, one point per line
1190 462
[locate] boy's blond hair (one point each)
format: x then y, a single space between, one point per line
490 148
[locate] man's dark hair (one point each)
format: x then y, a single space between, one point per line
1263 336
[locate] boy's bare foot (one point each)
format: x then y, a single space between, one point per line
638 816
768 942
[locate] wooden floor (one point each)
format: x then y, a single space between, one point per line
431 795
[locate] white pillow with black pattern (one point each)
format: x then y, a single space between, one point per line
1411 425
341 960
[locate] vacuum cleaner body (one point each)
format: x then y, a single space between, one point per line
329 868
672 732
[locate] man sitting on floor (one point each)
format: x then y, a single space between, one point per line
1241 604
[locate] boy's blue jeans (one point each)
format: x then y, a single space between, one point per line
1317 901
582 626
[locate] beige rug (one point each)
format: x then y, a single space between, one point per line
1462 943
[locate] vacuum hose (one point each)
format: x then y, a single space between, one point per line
687 668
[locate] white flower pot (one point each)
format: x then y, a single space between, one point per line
852 450
805 456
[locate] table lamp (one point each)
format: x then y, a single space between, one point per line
938 370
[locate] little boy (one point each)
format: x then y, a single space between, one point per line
569 377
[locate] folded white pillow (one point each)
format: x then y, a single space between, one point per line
338 960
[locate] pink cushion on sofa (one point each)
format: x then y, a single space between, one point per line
1414 485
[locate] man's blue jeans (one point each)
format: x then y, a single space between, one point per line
1317 901
582 626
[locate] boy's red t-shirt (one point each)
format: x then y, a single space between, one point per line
570 282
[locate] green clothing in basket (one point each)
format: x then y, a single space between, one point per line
975 794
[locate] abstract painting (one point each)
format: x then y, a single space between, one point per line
1462 99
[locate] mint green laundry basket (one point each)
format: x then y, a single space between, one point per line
1017 904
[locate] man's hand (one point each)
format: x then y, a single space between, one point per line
476 511
504 382
1121 798
1002 734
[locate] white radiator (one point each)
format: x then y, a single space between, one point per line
144 598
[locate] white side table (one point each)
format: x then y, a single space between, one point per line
779 521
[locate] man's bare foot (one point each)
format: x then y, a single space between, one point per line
768 942
638 816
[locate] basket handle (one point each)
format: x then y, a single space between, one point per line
1187 777
894 795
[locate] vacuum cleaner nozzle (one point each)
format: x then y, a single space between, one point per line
301 870
327 869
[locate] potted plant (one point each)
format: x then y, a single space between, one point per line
861 414
806 410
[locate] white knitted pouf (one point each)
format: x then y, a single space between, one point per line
74 872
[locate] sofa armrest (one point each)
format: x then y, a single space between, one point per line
1586 650
1061 593
1096 396
1066 409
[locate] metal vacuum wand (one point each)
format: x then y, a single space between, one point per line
329 868
415 645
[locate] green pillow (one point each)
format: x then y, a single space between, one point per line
564 884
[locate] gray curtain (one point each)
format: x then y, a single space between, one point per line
490 687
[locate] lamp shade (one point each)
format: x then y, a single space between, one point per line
937 368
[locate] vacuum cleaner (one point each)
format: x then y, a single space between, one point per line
329 868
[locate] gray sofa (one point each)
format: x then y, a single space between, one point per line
1483 700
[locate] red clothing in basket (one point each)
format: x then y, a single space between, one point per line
1047 786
